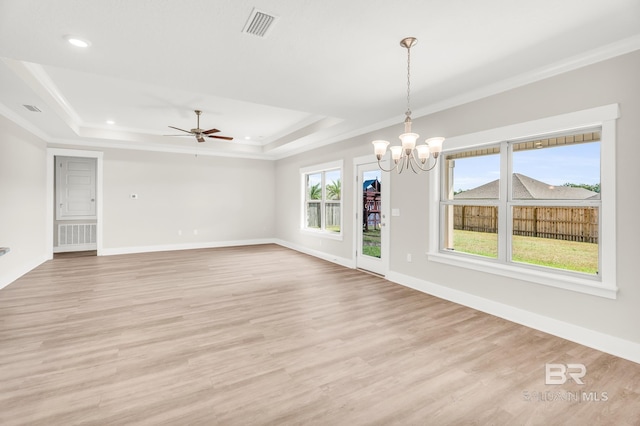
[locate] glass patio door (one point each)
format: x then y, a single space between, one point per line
371 219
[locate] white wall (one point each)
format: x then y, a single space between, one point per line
22 201
225 200
612 81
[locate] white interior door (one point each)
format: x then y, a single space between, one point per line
372 230
75 188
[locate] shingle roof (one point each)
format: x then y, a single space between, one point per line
367 183
525 188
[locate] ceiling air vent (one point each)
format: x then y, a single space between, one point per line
32 108
259 23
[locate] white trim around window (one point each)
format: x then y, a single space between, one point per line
604 117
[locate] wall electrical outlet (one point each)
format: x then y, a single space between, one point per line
408 257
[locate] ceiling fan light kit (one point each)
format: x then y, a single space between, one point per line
407 155
199 133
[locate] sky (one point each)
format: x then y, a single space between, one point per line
579 163
370 175
330 177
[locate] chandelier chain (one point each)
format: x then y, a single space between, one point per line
408 113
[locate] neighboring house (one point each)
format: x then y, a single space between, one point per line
525 187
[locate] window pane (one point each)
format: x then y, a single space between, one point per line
563 237
332 218
473 174
314 188
371 213
557 168
472 229
333 185
313 215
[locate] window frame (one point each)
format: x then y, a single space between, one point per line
321 169
604 284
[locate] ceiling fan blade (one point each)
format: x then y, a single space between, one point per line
200 138
182 130
227 138
208 132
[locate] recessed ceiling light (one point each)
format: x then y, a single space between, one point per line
77 41
111 122
247 138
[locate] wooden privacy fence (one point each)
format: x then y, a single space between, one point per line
332 214
560 223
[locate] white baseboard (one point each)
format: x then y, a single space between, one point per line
343 261
349 263
594 339
8 278
72 248
188 246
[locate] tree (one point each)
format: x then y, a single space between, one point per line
594 188
333 190
315 192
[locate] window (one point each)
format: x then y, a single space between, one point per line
322 210
471 201
555 202
532 208
550 209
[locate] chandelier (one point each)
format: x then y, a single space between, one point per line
407 155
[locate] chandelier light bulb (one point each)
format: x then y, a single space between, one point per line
396 153
380 148
423 153
409 141
435 145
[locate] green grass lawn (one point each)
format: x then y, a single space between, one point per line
569 255
371 242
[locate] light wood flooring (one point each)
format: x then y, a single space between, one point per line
263 335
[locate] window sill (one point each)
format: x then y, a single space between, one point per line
566 282
322 234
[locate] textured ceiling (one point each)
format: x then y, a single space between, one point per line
326 70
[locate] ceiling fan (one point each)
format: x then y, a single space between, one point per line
199 133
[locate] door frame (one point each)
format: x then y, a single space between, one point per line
385 231
51 154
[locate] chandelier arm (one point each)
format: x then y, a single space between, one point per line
415 162
405 163
413 165
428 168
399 165
385 170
